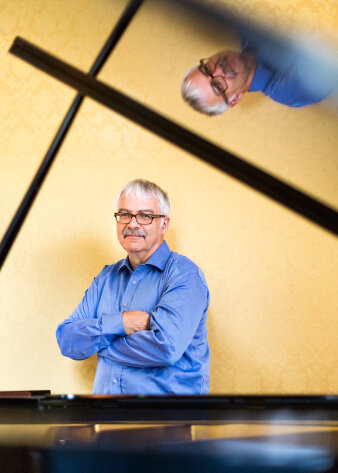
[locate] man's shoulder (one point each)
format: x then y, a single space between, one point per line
182 261
180 264
109 269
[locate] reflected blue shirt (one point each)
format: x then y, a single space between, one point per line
170 358
282 76
282 87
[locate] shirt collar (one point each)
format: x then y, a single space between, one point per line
261 78
158 259
125 264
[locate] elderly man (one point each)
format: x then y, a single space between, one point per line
144 316
220 82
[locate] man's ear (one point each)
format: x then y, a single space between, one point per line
237 98
165 225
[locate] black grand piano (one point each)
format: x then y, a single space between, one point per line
41 432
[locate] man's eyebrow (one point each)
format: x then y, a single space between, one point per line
214 91
141 210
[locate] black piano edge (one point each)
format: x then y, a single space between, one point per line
70 408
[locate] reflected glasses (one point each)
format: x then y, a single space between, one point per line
141 218
218 83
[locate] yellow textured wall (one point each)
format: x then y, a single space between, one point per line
272 275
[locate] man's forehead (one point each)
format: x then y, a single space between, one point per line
134 202
202 83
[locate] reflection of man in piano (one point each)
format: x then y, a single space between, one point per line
144 316
220 82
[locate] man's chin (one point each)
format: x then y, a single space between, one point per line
133 243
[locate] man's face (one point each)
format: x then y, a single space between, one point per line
234 82
141 241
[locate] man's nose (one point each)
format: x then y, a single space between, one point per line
133 222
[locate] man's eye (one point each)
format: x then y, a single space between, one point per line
126 215
205 69
202 69
145 215
208 69
217 89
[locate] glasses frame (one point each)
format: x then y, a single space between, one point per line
118 214
203 68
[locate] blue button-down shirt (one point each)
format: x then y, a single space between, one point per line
170 358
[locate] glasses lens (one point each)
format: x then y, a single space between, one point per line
219 85
141 218
207 67
144 219
123 218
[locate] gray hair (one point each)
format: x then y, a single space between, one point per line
196 99
141 188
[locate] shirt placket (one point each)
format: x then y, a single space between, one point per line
130 290
125 306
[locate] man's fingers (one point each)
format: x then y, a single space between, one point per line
135 321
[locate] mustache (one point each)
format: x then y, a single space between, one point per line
129 231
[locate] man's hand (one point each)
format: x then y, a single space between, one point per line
135 321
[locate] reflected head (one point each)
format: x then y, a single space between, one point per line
219 82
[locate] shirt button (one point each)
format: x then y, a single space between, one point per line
115 380
125 304
134 282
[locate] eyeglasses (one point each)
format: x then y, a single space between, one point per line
141 218
218 82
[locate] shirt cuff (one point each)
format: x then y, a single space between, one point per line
112 324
